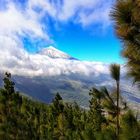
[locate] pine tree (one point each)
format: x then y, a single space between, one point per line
115 74
96 117
58 104
11 106
130 127
126 15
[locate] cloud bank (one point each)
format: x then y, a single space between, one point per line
19 62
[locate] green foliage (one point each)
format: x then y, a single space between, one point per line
130 127
21 118
115 71
115 74
96 117
127 24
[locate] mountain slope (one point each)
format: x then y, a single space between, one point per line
72 88
52 52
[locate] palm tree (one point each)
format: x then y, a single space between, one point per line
115 74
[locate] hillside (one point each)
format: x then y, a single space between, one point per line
23 118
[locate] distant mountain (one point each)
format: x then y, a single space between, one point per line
52 52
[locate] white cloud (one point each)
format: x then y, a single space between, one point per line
29 19
98 16
18 61
86 12
14 21
17 22
43 6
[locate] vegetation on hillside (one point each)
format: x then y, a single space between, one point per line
23 119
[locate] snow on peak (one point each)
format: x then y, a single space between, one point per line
52 48
52 52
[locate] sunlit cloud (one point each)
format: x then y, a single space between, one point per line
26 64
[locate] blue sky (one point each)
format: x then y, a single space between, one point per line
89 44
80 28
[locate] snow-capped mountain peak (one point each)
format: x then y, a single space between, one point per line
52 52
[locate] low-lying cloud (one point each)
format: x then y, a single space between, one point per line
20 62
